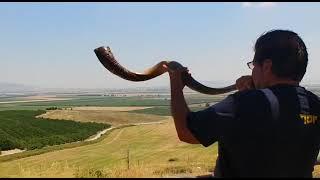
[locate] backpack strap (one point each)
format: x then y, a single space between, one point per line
274 103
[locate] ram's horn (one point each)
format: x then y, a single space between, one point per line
106 57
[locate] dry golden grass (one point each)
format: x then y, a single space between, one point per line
154 151
316 172
101 116
36 99
129 108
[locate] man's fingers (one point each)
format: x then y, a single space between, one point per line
183 69
167 68
248 85
244 82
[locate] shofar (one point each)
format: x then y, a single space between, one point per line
106 57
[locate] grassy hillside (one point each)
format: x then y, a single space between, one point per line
20 129
134 151
154 151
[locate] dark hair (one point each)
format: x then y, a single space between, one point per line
287 52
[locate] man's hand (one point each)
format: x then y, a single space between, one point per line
244 83
176 76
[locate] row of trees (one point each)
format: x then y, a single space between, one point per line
53 108
20 129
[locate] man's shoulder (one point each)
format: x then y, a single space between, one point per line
312 95
314 101
250 99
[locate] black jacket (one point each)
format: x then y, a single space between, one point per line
272 132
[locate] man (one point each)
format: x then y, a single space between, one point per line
270 127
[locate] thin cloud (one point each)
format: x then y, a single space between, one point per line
258 4
247 4
267 4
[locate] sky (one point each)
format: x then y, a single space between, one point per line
50 44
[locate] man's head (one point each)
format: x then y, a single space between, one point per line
280 57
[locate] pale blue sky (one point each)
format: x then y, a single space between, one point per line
51 44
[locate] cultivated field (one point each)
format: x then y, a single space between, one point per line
106 101
20 129
31 99
150 150
115 118
154 151
129 108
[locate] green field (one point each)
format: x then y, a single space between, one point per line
154 151
128 151
87 101
108 101
20 129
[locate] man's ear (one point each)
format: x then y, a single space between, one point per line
267 66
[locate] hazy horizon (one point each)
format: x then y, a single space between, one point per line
50 45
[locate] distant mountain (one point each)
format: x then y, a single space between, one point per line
15 88
216 84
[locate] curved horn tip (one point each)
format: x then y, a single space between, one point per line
101 48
